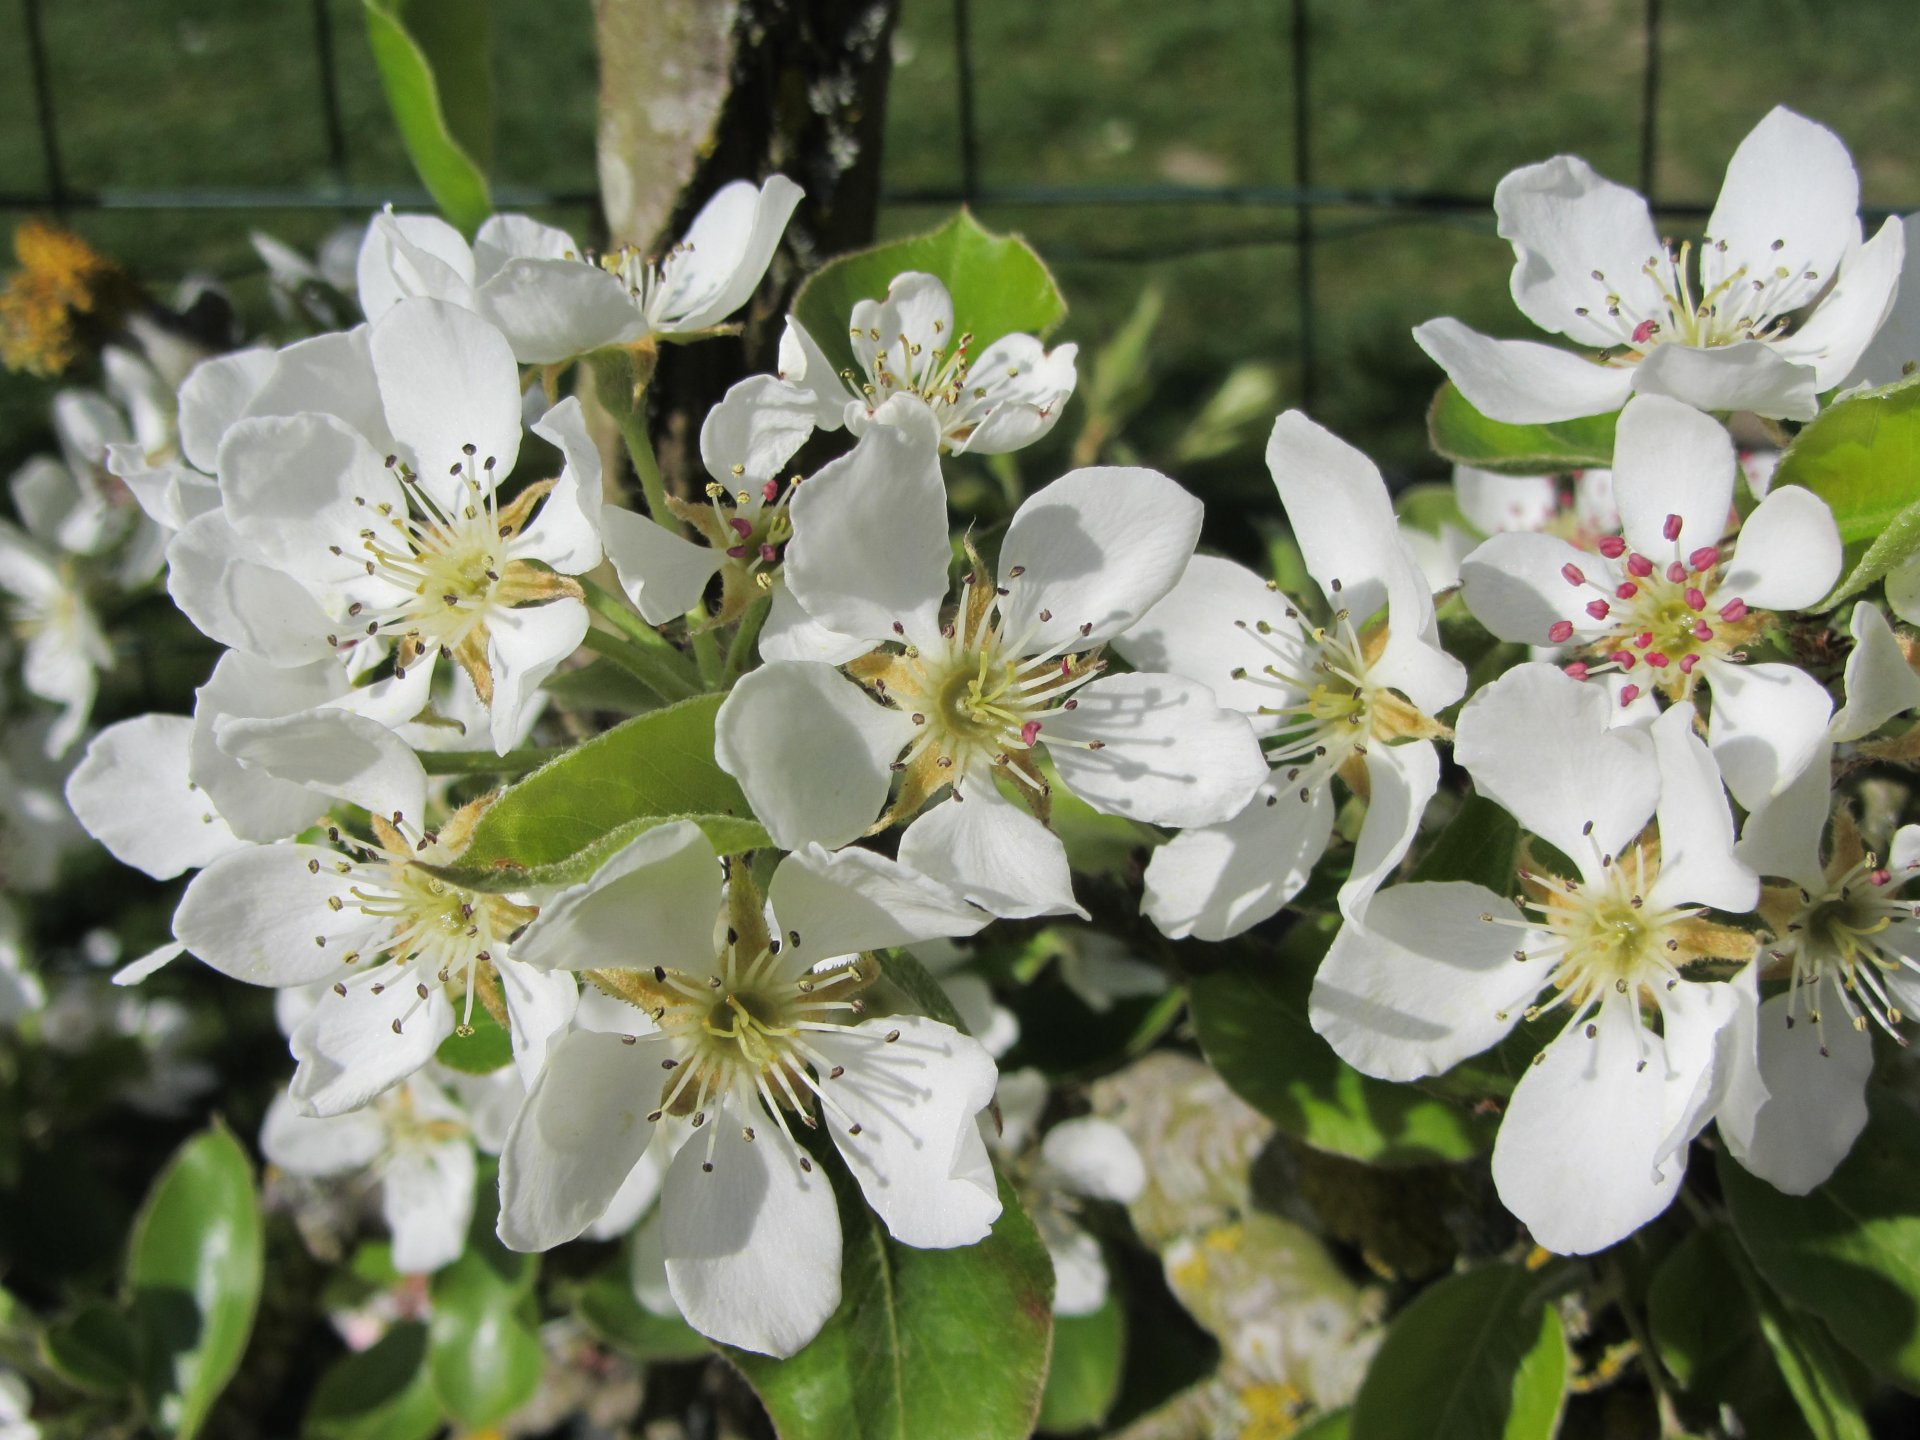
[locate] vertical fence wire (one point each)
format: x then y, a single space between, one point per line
1650 103
1303 212
963 71
42 79
329 77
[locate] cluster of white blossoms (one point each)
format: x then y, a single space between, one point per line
702 1037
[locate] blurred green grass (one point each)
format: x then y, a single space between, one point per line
1428 95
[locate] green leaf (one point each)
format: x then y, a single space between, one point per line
1462 434
611 1310
1849 1252
1251 1019
487 1049
1480 1356
381 1393
1696 1309
483 1360
925 1342
1861 456
1085 1375
95 1348
562 821
436 70
1430 508
1334 1425
193 1278
999 285
1811 1363
916 987
1480 846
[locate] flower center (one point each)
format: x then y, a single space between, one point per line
939 376
1844 937
1751 300
419 923
1668 617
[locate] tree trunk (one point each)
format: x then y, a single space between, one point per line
694 93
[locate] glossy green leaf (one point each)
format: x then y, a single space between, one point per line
487 1049
95 1348
380 1393
1480 845
1085 1375
437 73
1849 1252
1480 1356
1463 435
193 1278
1430 508
1251 1019
1862 456
610 1309
579 809
483 1356
999 285
925 1342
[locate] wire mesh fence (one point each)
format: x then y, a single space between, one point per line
1320 224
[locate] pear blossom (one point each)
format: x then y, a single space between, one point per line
174 483
552 301
416 1139
1013 673
405 955
747 1022
133 792
1353 698
47 605
972 998
744 443
1880 680
1002 398
1776 304
330 549
1844 937
1670 606
1895 351
1593 1143
1081 1159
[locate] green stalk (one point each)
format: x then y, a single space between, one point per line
644 665
660 665
706 648
740 652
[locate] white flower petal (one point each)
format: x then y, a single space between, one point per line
1206 629
551 310
256 805
914 1098
994 853
915 319
1897 343
810 750
336 753
1094 1157
1401 780
354 1046
1079 1270
565 533
1783 836
524 646
1337 505
330 374
214 397
758 425
1566 223
1027 388
638 1191
1422 980
1812 1105
791 634
1520 382
1577 1155
853 900
297 485
1788 554
426 1197
1767 722
255 608
447 380
869 549
1849 316
752 1247
1669 459
255 915
1214 882
403 256
1497 503
1880 683
1170 754
1537 742
1747 375
303 1145
726 252
804 365
540 1005
1790 180
662 573
132 793
1515 584
653 903
1096 548
1697 863
577 1138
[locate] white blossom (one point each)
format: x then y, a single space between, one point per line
1775 305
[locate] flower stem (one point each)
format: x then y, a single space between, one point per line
485 762
706 649
638 649
740 652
